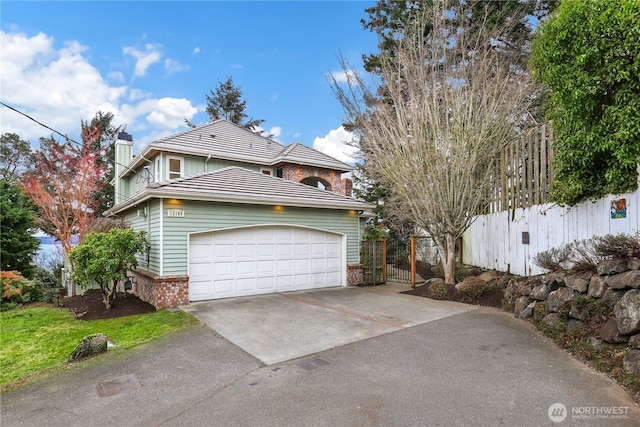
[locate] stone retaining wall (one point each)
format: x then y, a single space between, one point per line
572 298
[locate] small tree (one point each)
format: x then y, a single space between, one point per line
452 101
62 185
106 257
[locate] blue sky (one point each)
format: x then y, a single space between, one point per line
151 63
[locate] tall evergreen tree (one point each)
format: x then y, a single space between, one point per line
100 134
226 103
15 156
17 243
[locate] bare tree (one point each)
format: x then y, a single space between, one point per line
433 128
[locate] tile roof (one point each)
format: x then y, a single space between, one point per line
222 139
239 185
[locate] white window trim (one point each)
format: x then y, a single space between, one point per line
181 159
158 168
263 170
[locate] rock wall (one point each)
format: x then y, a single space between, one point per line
575 298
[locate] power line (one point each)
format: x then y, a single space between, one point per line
62 135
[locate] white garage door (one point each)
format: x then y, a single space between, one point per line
261 260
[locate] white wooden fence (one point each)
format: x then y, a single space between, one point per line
497 240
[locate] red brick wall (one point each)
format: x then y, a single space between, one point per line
161 292
355 275
329 177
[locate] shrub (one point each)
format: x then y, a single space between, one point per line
553 259
473 287
584 255
617 246
17 290
439 290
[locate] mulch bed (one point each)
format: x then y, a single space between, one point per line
492 298
89 306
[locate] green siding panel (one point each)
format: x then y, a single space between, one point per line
203 216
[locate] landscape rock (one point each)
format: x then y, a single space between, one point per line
552 318
634 341
612 266
488 276
595 342
572 324
628 279
558 298
90 345
634 264
521 304
596 286
577 282
528 311
609 332
631 362
577 312
554 280
539 292
612 296
627 312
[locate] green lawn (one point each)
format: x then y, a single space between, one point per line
39 340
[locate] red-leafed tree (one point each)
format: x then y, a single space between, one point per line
63 184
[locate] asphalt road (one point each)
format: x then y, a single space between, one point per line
480 367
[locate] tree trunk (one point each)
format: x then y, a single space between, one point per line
449 259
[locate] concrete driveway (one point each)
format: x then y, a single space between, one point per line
481 367
279 327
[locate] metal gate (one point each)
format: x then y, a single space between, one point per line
398 265
372 258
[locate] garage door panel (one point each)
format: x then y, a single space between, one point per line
223 270
266 250
201 271
223 250
318 264
246 285
223 287
284 250
284 266
246 268
257 260
267 267
266 283
301 265
301 249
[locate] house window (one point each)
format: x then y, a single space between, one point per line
158 174
279 172
266 171
175 167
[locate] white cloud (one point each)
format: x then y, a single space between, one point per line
335 145
144 59
196 50
55 87
343 76
174 66
59 87
274 132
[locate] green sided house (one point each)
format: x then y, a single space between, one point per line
230 213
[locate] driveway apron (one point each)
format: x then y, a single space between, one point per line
279 327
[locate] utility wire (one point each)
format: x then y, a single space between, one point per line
140 174
64 136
